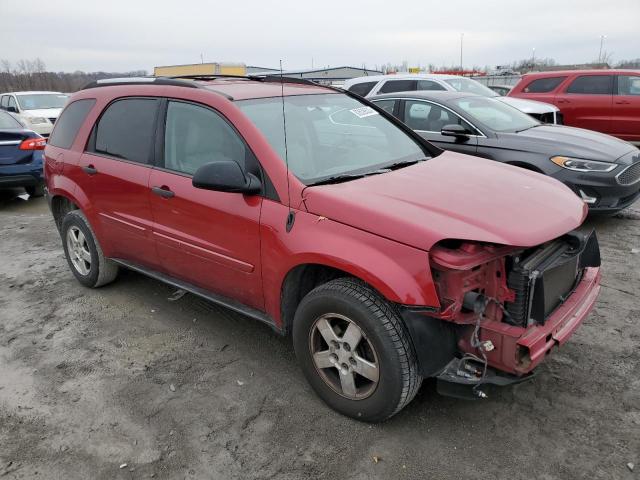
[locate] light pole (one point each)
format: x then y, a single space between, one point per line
533 58
461 40
602 37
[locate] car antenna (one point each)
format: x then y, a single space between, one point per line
291 217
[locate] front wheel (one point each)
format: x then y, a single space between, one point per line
355 351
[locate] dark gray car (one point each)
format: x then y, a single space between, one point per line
601 169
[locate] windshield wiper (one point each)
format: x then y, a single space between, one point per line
404 163
347 176
528 128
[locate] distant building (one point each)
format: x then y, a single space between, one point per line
201 69
327 76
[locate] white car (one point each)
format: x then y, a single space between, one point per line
379 84
38 111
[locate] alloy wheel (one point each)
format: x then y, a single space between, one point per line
78 250
343 356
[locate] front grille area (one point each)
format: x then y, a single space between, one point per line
544 277
547 117
52 119
629 175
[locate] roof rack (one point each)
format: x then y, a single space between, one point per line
109 82
269 77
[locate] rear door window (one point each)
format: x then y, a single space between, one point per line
69 123
592 85
362 89
392 86
126 130
386 105
429 85
628 85
543 85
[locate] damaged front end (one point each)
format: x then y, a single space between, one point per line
504 308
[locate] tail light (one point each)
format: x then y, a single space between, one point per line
33 144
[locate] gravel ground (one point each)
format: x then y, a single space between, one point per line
120 382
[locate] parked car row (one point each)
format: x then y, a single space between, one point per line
379 84
37 111
311 209
606 101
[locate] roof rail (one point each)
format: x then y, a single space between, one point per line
268 77
110 82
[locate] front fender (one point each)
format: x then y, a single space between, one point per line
399 272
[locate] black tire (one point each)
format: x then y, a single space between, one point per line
35 190
100 270
383 329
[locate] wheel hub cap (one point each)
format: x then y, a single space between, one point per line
344 358
78 250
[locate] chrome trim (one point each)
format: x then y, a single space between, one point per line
10 142
627 184
482 135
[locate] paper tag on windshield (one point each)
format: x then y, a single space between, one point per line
362 112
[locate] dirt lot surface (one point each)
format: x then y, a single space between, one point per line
91 380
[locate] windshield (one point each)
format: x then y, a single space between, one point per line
36 101
7 121
468 85
496 115
330 135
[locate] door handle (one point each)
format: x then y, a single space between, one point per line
563 101
90 170
163 191
622 102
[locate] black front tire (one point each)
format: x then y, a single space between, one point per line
383 329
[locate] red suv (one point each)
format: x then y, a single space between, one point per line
387 259
606 101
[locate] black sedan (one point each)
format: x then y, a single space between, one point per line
601 169
20 156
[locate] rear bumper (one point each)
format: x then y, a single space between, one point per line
22 174
519 350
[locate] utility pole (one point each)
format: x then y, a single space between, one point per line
602 37
461 41
533 58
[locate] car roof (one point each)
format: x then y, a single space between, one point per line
558 73
36 92
403 76
436 95
245 88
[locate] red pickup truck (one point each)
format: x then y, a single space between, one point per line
606 101
387 259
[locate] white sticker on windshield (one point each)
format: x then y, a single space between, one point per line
362 112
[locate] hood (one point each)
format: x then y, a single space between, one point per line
43 112
571 142
453 196
528 106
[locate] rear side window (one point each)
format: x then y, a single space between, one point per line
69 123
429 85
126 130
629 85
592 85
393 86
362 89
543 85
386 105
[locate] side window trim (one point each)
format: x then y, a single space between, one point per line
403 109
268 190
90 147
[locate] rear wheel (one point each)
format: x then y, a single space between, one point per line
35 190
355 351
83 252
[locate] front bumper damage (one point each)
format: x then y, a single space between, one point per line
531 301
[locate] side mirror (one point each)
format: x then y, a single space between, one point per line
12 109
454 131
226 176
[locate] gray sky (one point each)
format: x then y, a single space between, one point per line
119 35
